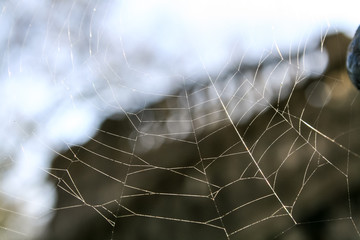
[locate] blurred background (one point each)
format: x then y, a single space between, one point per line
66 66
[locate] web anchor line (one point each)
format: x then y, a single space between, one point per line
247 149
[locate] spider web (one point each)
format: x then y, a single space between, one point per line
262 147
